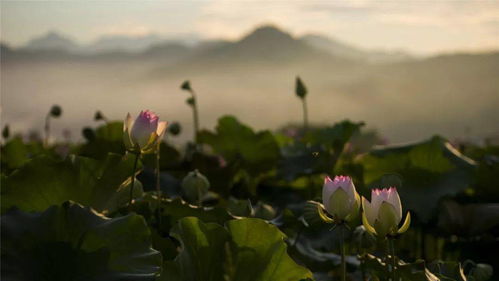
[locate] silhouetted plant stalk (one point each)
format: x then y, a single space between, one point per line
137 156
342 250
192 101
391 253
301 92
158 187
54 112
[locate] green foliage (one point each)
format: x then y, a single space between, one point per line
221 238
423 172
44 181
256 152
14 153
253 153
468 220
334 137
247 249
106 138
71 242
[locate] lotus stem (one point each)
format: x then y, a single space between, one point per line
158 187
195 115
342 250
47 130
391 248
305 114
137 156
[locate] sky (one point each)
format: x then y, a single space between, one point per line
420 27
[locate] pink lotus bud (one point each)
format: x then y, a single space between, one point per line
383 214
144 133
340 198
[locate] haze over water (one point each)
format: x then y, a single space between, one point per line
407 95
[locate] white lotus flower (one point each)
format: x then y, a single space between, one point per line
340 198
143 134
383 214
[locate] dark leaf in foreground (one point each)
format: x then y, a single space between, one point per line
71 242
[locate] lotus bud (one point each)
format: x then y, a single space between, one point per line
143 134
195 186
340 198
383 214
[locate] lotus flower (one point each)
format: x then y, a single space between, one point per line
340 198
383 214
143 134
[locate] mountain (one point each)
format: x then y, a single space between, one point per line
108 43
51 41
338 48
139 44
264 45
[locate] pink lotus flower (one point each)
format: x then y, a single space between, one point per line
340 198
383 214
143 134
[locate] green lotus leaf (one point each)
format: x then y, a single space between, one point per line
256 151
72 242
425 172
246 250
258 253
43 182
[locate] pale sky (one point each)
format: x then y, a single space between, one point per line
421 27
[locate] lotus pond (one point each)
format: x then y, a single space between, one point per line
305 202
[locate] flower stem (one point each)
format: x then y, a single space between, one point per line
305 114
196 115
137 156
158 187
47 131
342 249
391 249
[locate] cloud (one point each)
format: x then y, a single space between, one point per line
434 25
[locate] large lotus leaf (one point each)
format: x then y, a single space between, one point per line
416 271
255 151
202 255
334 137
255 252
15 153
423 172
174 210
468 220
71 242
106 138
43 182
299 159
259 253
448 269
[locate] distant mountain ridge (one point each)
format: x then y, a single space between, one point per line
51 41
265 43
340 49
